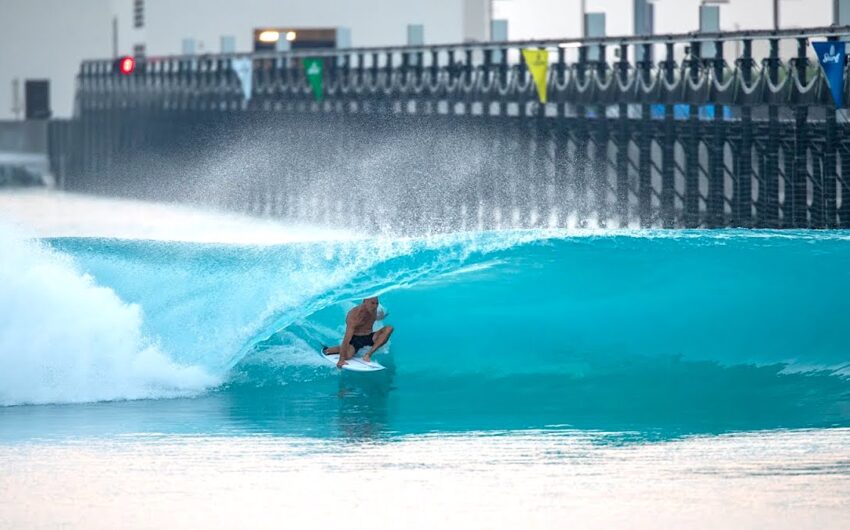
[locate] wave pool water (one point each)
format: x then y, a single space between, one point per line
647 379
685 331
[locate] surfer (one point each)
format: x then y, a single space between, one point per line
358 332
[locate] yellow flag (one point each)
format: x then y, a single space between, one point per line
538 64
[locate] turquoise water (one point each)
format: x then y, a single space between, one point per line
689 378
663 333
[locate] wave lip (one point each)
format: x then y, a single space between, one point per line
65 339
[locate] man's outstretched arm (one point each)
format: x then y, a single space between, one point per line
345 348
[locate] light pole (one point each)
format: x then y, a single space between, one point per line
775 15
840 12
776 12
584 18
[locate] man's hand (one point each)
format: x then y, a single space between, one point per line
340 363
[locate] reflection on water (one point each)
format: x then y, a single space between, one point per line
526 479
661 402
669 444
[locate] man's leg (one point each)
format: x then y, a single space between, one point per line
380 338
330 350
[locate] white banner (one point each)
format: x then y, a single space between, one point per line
244 72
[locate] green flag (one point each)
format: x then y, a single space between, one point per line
314 67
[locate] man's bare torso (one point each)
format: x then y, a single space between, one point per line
361 320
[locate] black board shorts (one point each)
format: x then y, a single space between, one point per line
360 341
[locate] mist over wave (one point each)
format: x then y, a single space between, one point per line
50 213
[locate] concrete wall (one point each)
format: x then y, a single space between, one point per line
28 136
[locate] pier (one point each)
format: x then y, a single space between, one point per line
734 129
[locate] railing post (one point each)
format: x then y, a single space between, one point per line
503 78
435 64
345 67
388 69
467 69
333 70
374 68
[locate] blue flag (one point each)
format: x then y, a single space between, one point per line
831 58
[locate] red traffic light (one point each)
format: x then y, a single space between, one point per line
126 65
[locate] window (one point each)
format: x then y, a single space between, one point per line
138 50
138 13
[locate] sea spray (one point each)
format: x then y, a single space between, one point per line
64 338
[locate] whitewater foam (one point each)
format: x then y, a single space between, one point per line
64 339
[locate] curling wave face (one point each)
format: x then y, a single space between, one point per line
508 314
65 338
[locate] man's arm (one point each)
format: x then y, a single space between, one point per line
350 323
343 348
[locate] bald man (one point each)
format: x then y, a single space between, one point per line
358 332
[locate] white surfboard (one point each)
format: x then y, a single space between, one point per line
356 364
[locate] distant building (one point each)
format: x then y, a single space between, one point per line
45 40
533 19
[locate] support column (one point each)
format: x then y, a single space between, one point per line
744 184
844 213
799 174
561 138
645 147
692 218
581 137
714 203
769 200
600 179
830 147
668 150
623 147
